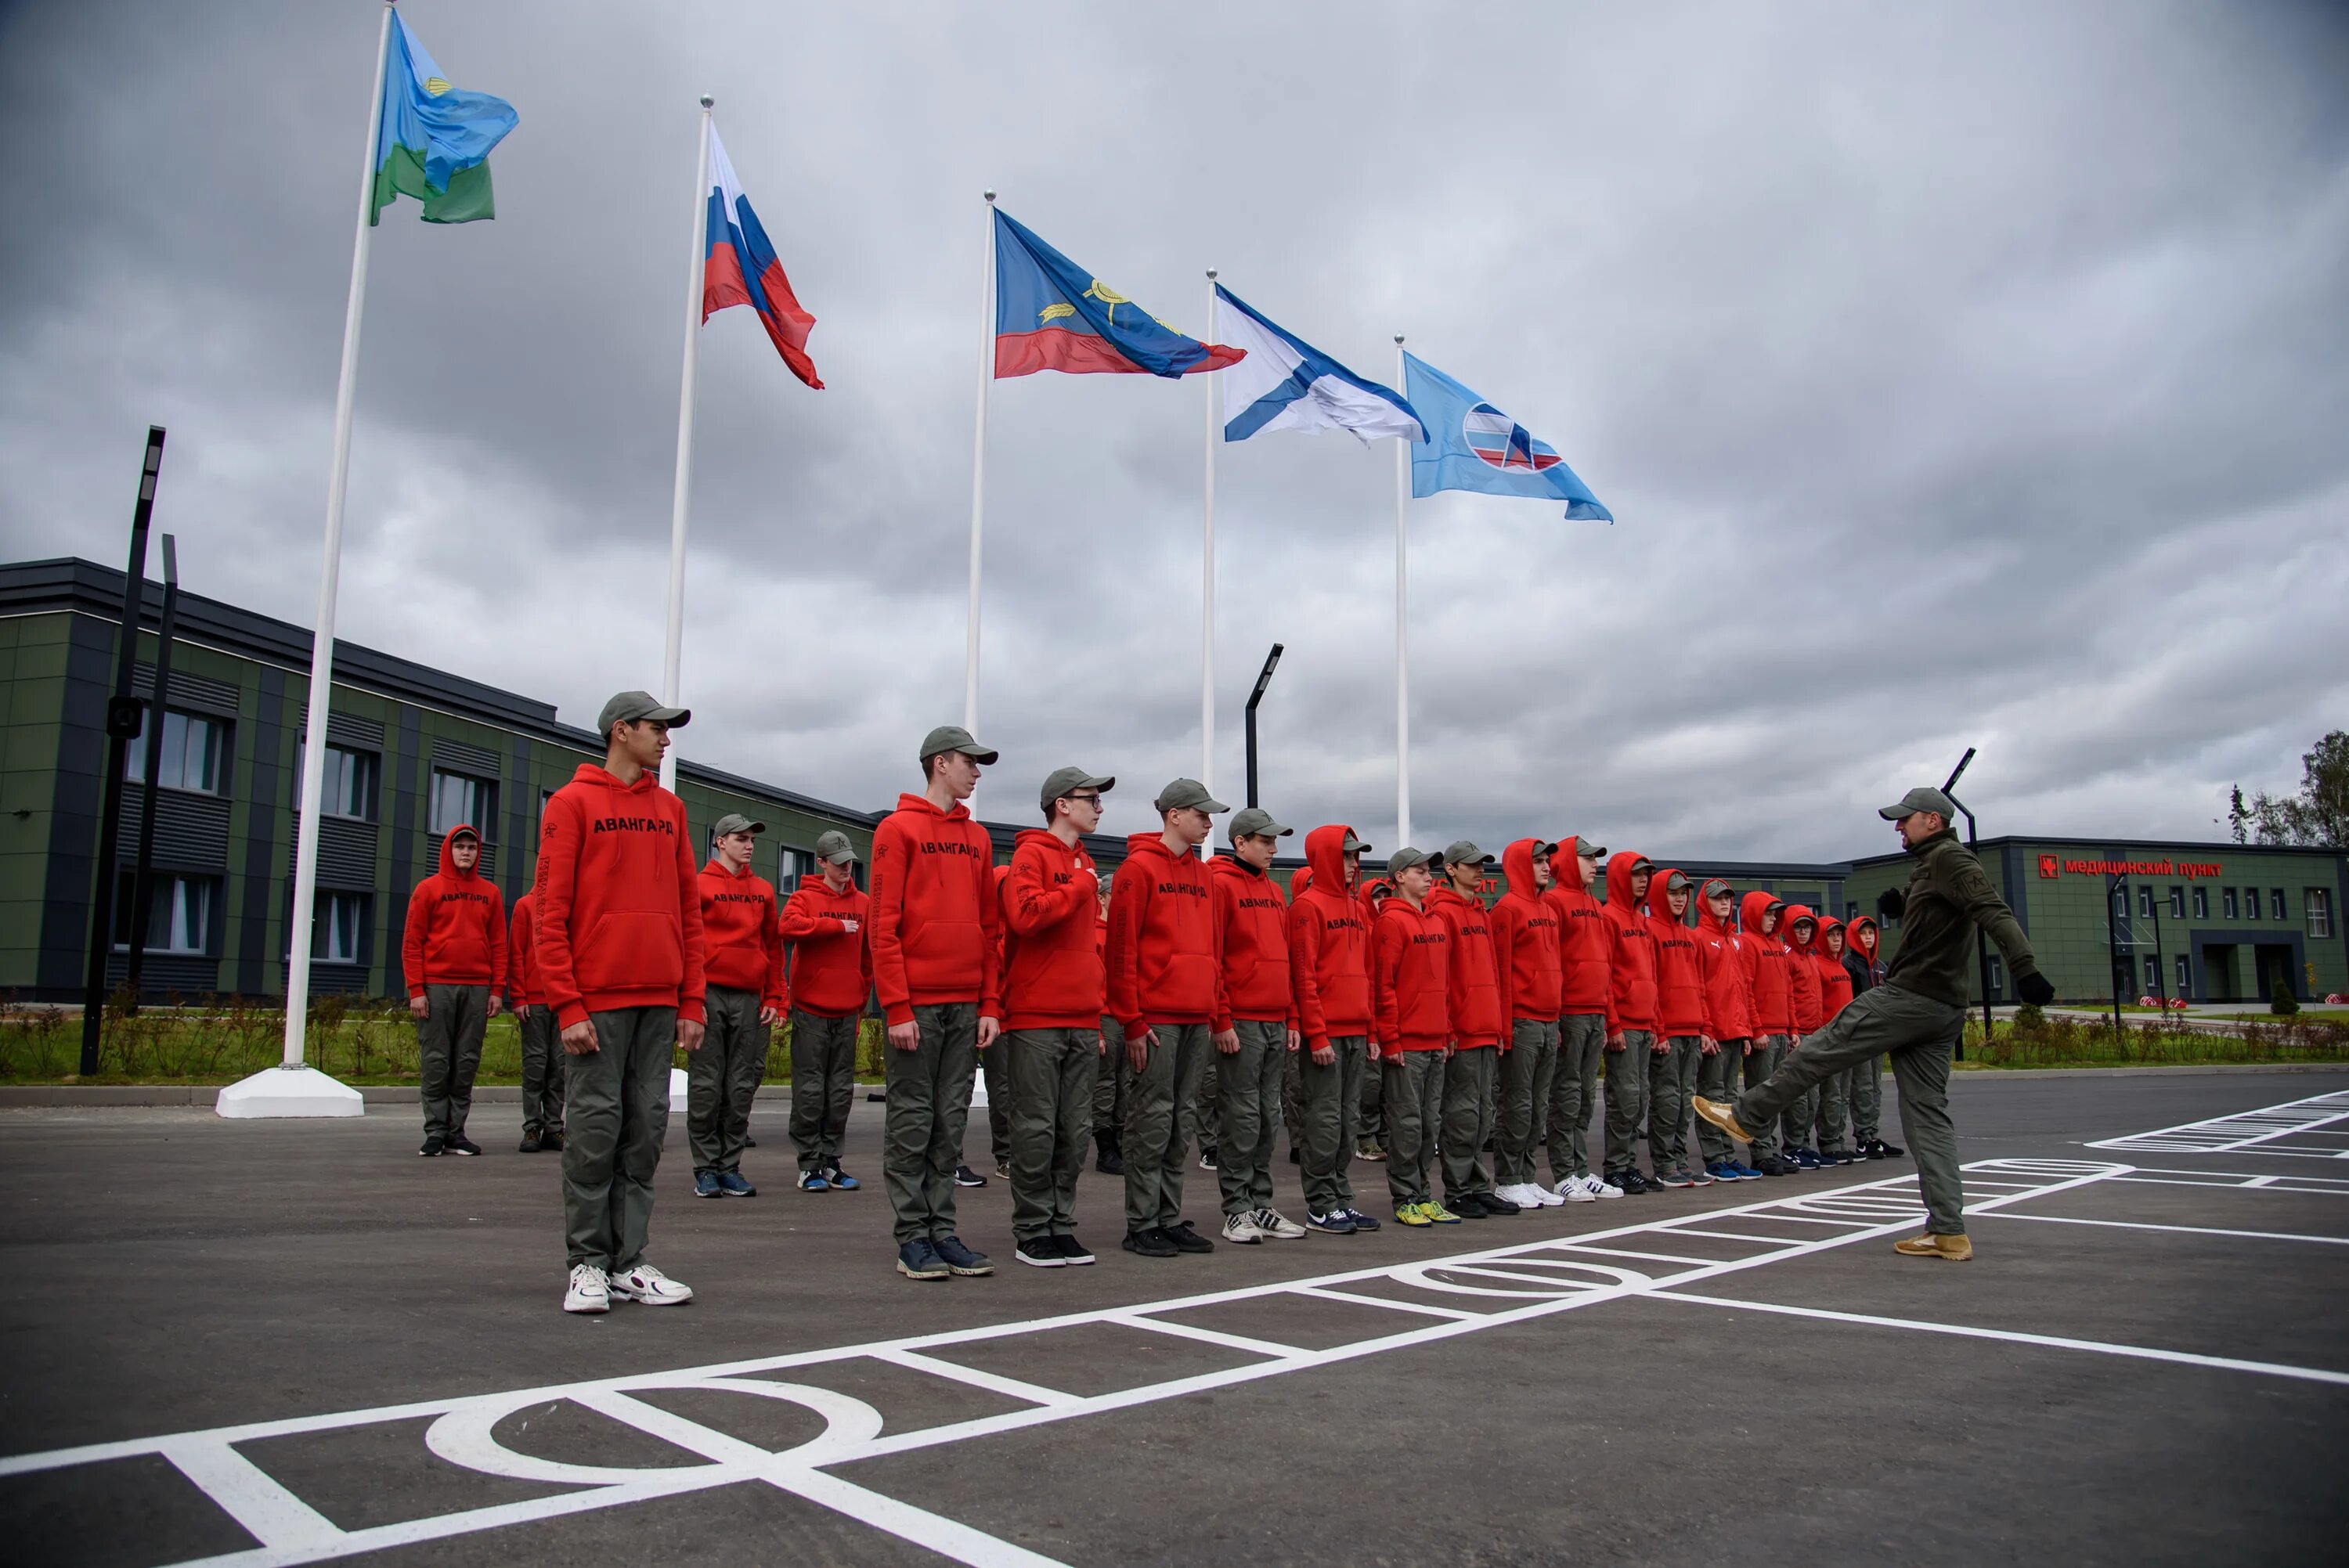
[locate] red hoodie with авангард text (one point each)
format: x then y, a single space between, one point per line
1053 973
1768 983
1524 942
456 929
1681 1010
1728 1003
1329 945
1585 941
1411 979
1631 967
1472 981
934 913
1252 931
742 947
1834 980
1802 973
1165 963
617 914
830 974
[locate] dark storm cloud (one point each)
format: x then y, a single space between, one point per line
1961 376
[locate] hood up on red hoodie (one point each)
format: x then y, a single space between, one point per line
1524 942
1835 981
1727 1004
1766 964
1631 967
1329 945
1680 1007
1801 973
1585 942
456 929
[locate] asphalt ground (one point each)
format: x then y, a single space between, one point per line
292 1342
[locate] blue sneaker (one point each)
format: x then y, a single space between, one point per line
704 1184
1722 1171
730 1183
1361 1222
1741 1172
841 1180
919 1260
960 1259
812 1181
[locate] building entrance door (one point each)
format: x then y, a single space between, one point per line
2218 972
2273 962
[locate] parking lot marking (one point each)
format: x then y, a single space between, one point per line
2180 1230
1208 1336
2245 1131
1034 1394
2156 1176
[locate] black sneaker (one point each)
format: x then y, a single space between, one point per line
1041 1252
1624 1182
1496 1205
1469 1206
748 1141
461 1144
967 1177
1186 1239
434 1145
1207 1158
1106 1160
960 1259
531 1142
1150 1244
551 1142
1073 1252
1891 1151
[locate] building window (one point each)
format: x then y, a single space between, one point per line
2275 905
2185 977
2177 903
181 922
795 864
2227 903
2144 901
194 751
2201 903
349 789
2250 903
2320 911
2152 974
338 927
1997 978
460 799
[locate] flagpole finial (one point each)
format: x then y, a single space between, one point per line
1398 338
990 197
707 100
1211 275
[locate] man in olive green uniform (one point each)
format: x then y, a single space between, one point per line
1915 1016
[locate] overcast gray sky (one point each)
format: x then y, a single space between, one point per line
1960 373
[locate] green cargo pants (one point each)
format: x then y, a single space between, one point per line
1867 1101
1627 1097
1719 1076
1834 1113
1414 1099
1292 1102
1919 1034
1527 1070
1052 1073
1330 1097
1109 1084
1469 1084
1574 1093
1769 1051
1153 1142
929 1102
1672 1079
1371 1116
542 1072
1795 1123
1200 1117
1248 1085
823 1086
616 1110
449 1053
722 1078
994 1071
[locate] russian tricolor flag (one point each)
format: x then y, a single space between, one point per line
741 268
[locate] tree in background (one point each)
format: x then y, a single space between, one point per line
2316 818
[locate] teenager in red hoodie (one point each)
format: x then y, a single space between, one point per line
1768 989
1834 1091
822 930
743 957
1411 975
1109 1084
1524 962
1681 1017
453 951
1370 1132
1863 963
1631 1036
1166 990
1054 991
1802 929
1256 1025
1479 1034
1729 1014
541 1054
620 962
1329 965
932 925
1586 948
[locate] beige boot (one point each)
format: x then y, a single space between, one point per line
1955 1249
1723 1116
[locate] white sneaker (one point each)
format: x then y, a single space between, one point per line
589 1292
1241 1230
1278 1226
1514 1193
1598 1189
646 1284
1544 1196
1571 1191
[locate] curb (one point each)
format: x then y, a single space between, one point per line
20 1095
1963 1071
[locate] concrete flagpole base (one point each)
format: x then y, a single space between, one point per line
677 1085
282 1091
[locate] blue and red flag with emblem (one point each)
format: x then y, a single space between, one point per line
741 268
1052 315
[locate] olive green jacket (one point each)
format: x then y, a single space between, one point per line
1949 894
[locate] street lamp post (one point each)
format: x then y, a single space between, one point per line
1263 679
1982 943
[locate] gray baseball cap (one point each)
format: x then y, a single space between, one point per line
632 706
1678 882
955 738
832 845
1587 851
1255 819
1463 853
1353 846
1068 781
735 823
1184 792
1921 800
1405 858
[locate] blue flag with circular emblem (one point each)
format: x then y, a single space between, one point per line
1473 445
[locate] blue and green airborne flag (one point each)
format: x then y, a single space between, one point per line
433 140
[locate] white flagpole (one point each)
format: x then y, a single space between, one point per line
978 473
680 502
1403 627
1207 579
322 645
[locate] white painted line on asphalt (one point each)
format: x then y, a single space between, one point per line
1426 1308
2180 1229
1207 1336
2052 1341
1034 1393
267 1511
2242 1132
1736 1236
1645 1257
2318 1186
